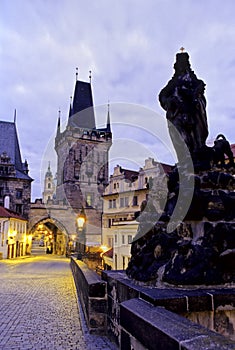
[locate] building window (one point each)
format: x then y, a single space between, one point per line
19 208
110 242
135 200
112 203
123 262
109 223
19 194
129 239
89 199
115 238
123 239
49 185
114 186
126 201
76 171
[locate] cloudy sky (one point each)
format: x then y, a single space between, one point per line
130 47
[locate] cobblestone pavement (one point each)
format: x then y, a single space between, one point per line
39 309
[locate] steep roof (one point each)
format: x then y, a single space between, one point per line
81 113
130 175
10 145
166 167
7 213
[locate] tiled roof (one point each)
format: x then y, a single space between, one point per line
7 213
130 175
166 167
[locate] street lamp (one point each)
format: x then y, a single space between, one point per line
81 225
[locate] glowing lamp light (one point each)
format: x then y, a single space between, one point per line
81 219
104 248
12 235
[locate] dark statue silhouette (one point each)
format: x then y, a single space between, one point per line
184 101
201 248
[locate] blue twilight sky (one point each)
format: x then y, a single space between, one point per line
129 45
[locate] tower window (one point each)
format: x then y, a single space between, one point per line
76 171
49 185
19 194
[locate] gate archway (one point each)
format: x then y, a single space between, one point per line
49 235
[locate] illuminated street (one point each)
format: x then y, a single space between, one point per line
39 308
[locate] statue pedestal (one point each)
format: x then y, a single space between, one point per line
201 250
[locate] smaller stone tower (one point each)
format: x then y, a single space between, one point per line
49 186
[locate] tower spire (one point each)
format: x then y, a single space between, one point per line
70 107
76 73
58 124
15 116
108 126
90 76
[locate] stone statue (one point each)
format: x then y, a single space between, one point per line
201 248
185 104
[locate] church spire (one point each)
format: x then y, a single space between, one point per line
58 124
108 125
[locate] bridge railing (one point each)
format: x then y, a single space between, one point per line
92 294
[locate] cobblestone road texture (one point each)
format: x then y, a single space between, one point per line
39 309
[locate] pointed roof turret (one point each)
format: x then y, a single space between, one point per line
82 106
49 173
108 126
15 116
9 144
58 123
70 107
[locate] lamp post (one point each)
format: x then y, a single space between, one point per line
81 226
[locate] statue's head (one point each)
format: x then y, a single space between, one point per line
182 64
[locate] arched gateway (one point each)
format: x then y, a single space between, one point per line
52 227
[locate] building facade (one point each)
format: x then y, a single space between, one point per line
14 239
123 197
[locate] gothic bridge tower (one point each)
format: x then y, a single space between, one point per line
83 160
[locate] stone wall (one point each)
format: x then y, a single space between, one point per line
92 293
146 317
142 317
